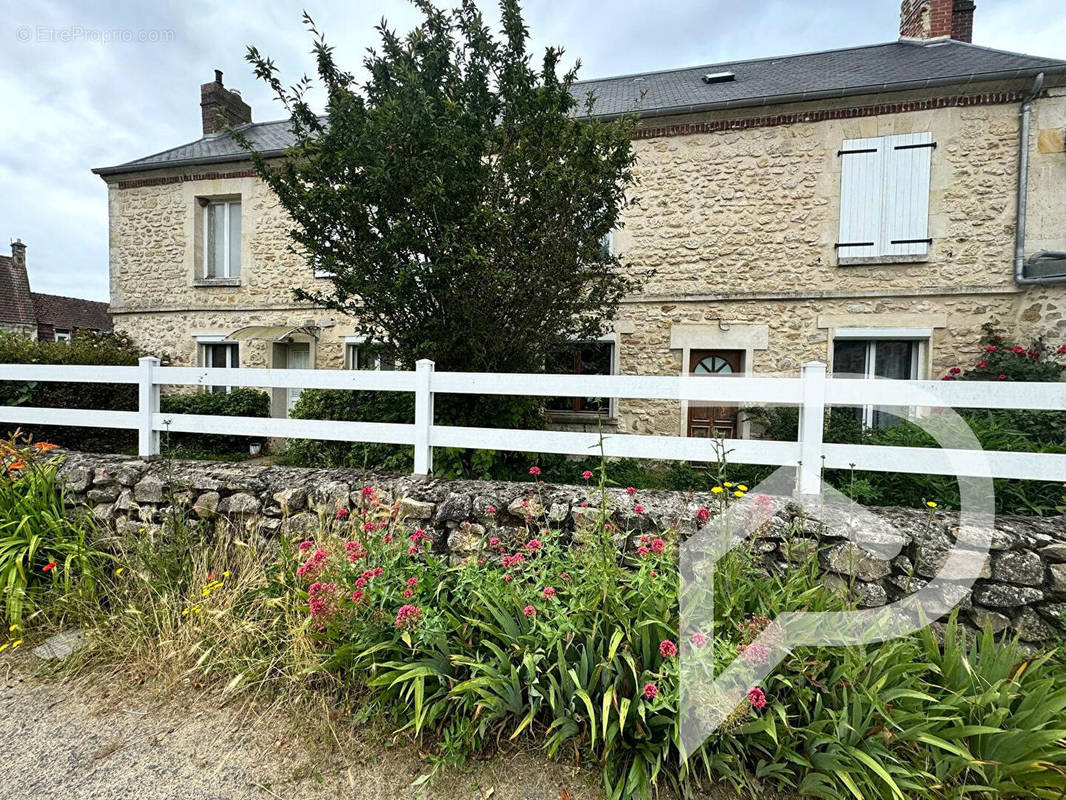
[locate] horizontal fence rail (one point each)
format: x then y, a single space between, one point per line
812 392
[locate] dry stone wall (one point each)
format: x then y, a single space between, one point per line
1022 585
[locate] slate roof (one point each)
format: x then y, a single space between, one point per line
895 66
71 312
16 302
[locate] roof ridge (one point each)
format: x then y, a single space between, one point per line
988 49
738 61
68 297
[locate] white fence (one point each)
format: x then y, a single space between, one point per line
812 392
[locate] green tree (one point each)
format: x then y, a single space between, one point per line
459 197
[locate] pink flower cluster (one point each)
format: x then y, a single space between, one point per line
698 639
510 561
354 551
756 697
314 565
408 616
667 649
322 602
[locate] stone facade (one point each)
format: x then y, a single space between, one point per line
1022 583
738 216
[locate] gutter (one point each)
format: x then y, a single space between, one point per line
749 102
1044 257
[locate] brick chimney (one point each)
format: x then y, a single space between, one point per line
935 19
221 107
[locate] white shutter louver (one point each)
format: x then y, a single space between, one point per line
884 196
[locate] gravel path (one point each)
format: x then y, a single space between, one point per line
94 740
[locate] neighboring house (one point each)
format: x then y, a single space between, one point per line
45 317
857 207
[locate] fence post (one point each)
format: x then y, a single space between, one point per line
811 429
147 406
423 416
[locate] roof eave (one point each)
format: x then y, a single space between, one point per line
125 169
830 94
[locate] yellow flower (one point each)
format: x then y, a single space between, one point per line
225 574
930 503
717 490
728 485
119 571
3 647
16 643
207 592
742 487
13 628
738 494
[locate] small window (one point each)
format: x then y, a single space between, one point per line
222 239
898 359
884 197
63 335
584 358
220 355
368 355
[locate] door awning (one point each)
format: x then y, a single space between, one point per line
273 333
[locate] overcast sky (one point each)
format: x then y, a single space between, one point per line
83 88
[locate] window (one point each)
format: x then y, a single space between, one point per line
898 359
884 198
222 239
367 355
62 335
220 354
584 358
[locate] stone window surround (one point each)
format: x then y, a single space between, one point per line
579 417
884 326
194 195
203 340
746 337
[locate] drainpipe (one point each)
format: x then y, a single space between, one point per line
1023 187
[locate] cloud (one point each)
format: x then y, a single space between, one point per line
87 87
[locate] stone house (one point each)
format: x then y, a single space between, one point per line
45 317
859 207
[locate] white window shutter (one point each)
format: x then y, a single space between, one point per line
905 215
861 198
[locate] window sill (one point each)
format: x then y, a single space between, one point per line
859 261
579 418
201 283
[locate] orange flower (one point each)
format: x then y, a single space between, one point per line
51 565
44 447
20 464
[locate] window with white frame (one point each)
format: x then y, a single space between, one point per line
896 356
360 354
63 335
583 358
884 197
222 239
219 354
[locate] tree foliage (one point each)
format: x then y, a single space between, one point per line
460 196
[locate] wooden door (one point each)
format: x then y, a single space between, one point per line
705 420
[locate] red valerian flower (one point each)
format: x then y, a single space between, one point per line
702 515
549 592
947 378
698 639
534 470
529 611
387 538
357 596
368 527
754 653
412 550
756 697
494 541
667 649
651 691
1062 350
586 474
1002 377
367 491
354 551
982 364
407 593
638 509
342 513
408 616
304 546
566 577
642 551
315 564
990 348
507 578
51 565
490 510
657 545
412 582
1017 350
533 545
954 370
630 490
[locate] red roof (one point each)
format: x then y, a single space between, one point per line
70 313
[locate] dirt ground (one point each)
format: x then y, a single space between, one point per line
97 738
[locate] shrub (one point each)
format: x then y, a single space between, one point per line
240 402
110 349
